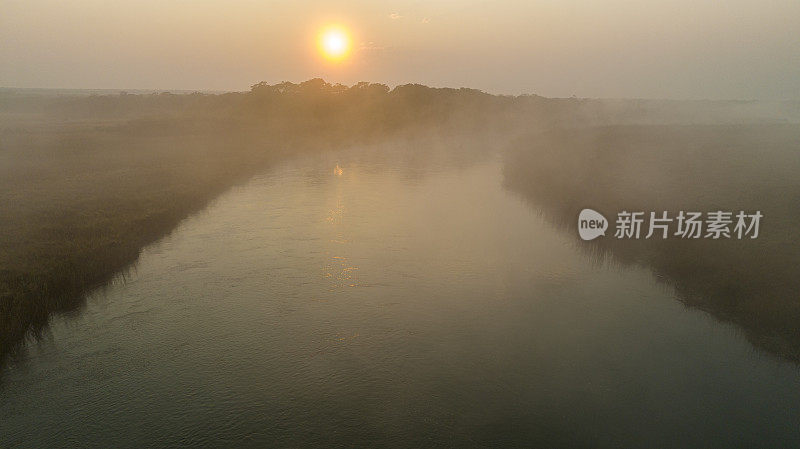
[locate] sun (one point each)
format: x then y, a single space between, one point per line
334 43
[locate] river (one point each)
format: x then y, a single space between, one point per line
347 298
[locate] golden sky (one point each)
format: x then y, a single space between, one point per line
589 48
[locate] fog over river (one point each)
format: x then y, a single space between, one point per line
374 298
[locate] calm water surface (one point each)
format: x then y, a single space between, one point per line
386 302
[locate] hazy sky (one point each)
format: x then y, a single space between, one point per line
590 48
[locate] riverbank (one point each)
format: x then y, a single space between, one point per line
749 282
81 201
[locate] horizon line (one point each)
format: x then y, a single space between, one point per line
225 91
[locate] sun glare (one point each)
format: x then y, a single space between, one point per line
334 43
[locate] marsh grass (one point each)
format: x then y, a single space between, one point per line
753 283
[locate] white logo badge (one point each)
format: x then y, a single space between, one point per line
591 224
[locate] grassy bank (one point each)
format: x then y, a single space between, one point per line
82 200
751 282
